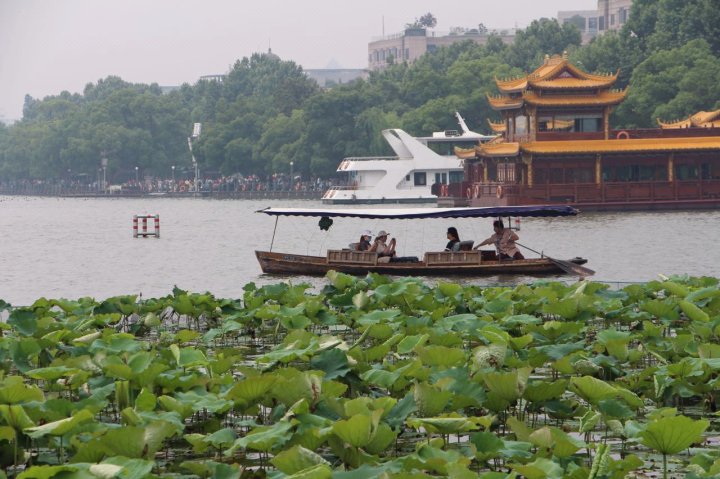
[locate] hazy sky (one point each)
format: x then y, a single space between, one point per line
47 46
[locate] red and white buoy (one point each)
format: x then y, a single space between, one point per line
145 233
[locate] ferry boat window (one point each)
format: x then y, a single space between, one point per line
407 177
456 177
420 178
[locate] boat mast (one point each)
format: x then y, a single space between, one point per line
274 230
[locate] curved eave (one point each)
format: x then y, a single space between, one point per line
464 153
505 103
711 143
606 98
516 85
498 150
499 127
674 125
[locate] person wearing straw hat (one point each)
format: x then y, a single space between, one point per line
382 247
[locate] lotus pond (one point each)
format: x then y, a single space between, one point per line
370 377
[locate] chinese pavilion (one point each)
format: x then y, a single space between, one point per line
555 145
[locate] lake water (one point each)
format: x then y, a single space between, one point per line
70 247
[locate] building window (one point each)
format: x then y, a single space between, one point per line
592 24
622 14
407 54
456 177
601 23
612 19
420 178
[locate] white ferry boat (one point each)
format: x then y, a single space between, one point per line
408 177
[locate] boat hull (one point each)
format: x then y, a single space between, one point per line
284 263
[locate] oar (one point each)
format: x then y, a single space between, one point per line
567 266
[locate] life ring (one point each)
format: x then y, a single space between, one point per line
622 135
499 192
443 190
476 191
468 193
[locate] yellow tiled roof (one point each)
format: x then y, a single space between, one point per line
514 85
572 83
498 149
498 127
701 119
504 102
465 153
549 75
601 99
623 145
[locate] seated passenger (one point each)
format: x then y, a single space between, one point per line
382 248
454 240
504 241
364 243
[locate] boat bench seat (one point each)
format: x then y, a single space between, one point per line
450 257
349 256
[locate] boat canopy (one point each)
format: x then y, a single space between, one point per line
419 213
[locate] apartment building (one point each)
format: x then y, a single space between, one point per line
414 42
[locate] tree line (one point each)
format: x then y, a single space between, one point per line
267 113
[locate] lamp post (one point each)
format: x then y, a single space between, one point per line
137 179
104 163
292 179
173 173
197 127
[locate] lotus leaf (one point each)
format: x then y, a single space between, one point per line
188 357
693 312
23 320
296 459
519 428
61 427
446 424
292 385
540 469
145 401
539 391
616 342
169 403
356 431
670 435
131 468
675 289
589 420
564 444
264 438
320 471
47 472
509 386
409 343
14 391
429 400
200 399
487 445
663 309
333 362
438 460
441 356
592 389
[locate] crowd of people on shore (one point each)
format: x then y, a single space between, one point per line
233 183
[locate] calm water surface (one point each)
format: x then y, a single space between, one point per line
61 247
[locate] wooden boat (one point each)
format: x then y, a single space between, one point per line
440 263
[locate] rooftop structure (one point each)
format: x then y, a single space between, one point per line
609 15
412 43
